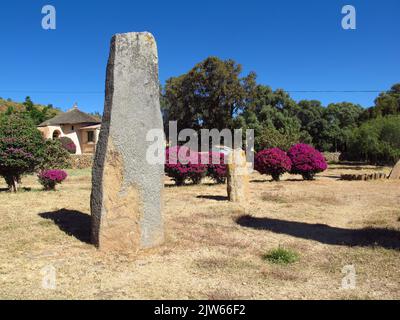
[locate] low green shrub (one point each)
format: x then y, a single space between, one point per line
55 156
281 256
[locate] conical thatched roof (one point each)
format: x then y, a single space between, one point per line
72 116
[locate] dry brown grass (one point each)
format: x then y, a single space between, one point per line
213 249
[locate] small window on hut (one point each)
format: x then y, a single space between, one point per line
90 136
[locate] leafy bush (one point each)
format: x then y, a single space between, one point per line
283 138
21 148
181 164
50 178
306 161
68 144
273 162
217 171
55 156
281 256
376 141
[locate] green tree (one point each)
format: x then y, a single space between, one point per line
310 114
21 148
209 96
270 137
273 128
260 96
273 116
96 114
38 115
341 119
376 141
10 110
387 103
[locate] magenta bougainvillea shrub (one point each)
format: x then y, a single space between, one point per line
306 161
273 162
217 169
197 170
68 144
50 178
182 164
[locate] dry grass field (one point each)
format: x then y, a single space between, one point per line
213 248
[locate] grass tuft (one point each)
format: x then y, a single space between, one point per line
281 256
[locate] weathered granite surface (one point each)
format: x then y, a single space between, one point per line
237 177
126 199
395 174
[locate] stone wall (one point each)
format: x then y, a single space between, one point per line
364 176
82 161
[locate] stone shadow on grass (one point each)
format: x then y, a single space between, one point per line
367 237
331 177
216 198
260 181
72 222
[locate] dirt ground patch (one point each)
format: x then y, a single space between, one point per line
213 249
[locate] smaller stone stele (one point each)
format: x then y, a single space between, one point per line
237 177
395 174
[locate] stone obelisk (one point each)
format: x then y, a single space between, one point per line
237 177
395 173
126 199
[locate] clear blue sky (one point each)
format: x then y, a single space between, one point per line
294 45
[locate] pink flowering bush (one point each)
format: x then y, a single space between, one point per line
217 171
306 161
49 178
273 162
182 164
21 148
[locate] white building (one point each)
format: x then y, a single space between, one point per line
82 128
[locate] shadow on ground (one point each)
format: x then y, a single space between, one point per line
216 198
72 222
23 189
356 168
367 237
330 176
260 181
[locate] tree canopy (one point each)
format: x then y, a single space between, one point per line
387 103
210 95
215 94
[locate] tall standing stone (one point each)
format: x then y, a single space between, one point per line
395 174
126 199
237 177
